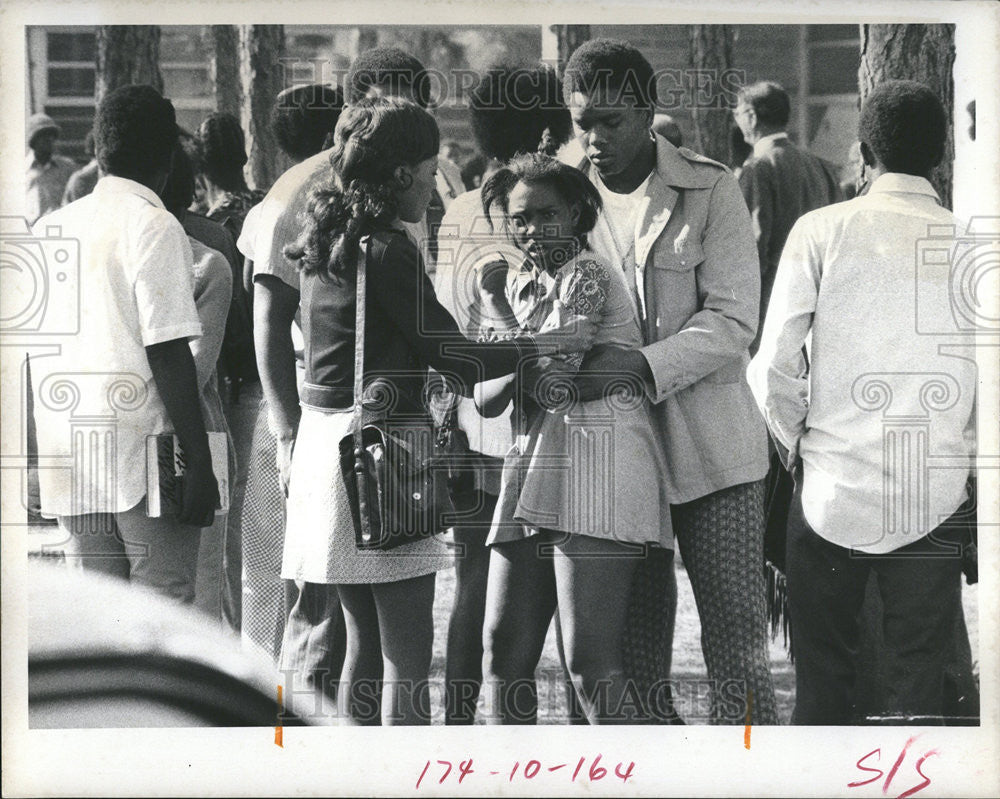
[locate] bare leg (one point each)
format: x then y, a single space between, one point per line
593 579
358 697
406 623
574 710
464 658
520 601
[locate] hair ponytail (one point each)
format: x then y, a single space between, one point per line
372 139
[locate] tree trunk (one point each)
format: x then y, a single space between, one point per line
261 48
127 54
710 54
569 37
925 53
225 69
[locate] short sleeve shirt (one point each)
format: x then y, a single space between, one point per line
280 218
126 284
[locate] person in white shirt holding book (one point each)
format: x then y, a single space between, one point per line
885 388
128 372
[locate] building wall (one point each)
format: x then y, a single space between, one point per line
62 75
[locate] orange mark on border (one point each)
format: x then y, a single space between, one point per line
746 730
278 730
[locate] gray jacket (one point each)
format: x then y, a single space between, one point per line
698 263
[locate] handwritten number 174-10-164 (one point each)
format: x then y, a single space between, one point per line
531 769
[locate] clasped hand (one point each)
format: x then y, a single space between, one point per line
606 368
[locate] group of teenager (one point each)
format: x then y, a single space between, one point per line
589 312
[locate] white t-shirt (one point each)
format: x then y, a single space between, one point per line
614 235
95 399
278 220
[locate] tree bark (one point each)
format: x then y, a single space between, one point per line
225 69
569 38
710 55
925 53
127 54
261 48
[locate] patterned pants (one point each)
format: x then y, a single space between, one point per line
262 531
721 539
649 635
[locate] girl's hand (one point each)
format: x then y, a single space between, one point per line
492 278
284 458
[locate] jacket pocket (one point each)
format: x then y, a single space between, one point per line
682 258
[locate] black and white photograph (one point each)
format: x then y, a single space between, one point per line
461 366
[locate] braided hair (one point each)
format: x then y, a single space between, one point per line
372 139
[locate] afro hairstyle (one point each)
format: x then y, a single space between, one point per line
303 116
135 131
392 70
512 107
223 150
905 125
614 67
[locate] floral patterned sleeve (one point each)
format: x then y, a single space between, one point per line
584 292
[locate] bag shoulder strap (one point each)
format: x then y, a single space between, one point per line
361 476
359 336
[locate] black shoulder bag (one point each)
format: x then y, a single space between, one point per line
397 481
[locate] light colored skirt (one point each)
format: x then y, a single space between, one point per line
319 535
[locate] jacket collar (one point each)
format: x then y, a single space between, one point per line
672 168
673 171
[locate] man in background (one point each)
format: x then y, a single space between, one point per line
82 182
47 171
780 181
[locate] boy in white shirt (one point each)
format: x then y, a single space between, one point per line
864 419
128 373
